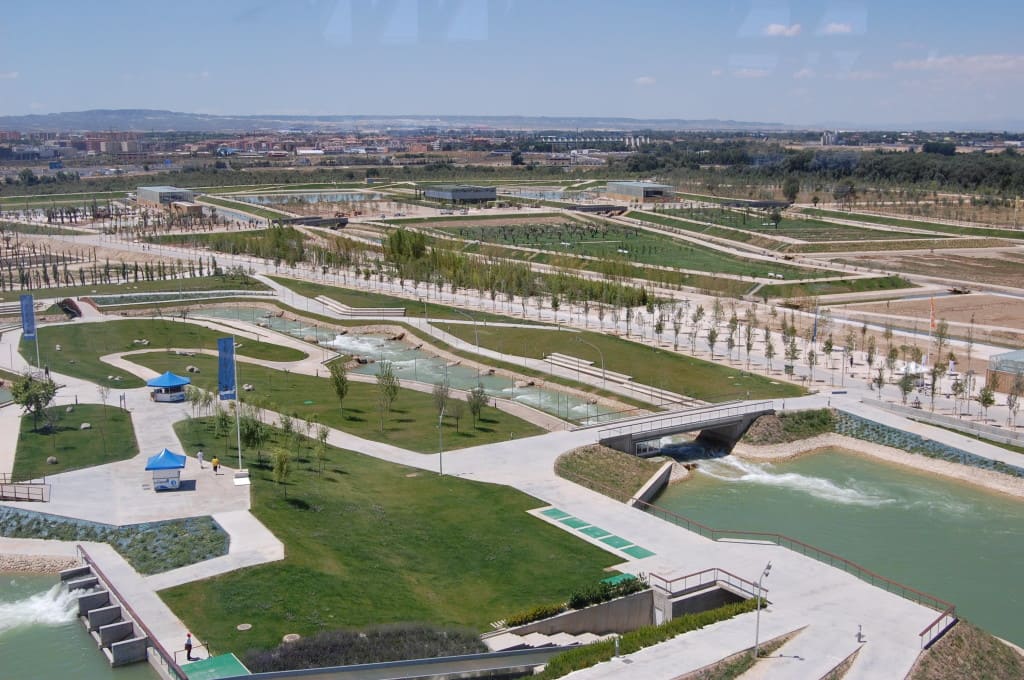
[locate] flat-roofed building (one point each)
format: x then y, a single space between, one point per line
461 193
639 191
163 196
1003 369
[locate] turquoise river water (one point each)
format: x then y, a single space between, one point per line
41 638
946 538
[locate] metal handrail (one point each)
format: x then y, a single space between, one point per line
806 549
717 573
167 658
24 491
944 620
701 414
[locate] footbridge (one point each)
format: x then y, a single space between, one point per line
720 426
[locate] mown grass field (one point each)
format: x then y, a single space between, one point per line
607 471
647 365
411 424
111 438
82 345
816 288
370 542
916 224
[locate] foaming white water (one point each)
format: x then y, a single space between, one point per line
735 470
51 608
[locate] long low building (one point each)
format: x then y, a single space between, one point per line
461 193
163 196
638 191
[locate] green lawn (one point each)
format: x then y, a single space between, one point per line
412 424
187 284
110 439
916 224
370 542
43 229
647 365
82 344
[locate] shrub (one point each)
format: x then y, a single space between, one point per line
634 641
602 592
539 612
380 643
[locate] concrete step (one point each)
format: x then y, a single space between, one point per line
538 640
504 642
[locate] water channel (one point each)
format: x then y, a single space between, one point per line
952 540
316 197
417 365
41 637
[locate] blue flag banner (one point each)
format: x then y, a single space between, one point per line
28 317
226 388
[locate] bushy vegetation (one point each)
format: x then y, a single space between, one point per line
790 427
543 611
595 653
151 548
380 643
605 591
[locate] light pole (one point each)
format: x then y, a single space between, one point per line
476 333
440 443
601 354
757 625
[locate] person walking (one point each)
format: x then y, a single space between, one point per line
216 465
199 457
188 647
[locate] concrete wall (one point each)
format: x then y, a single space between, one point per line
87 603
618 616
101 616
75 573
115 632
128 651
704 600
654 485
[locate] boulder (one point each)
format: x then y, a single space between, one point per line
69 409
192 369
58 348
85 426
51 460
247 387
309 338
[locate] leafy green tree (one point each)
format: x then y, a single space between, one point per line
712 339
33 394
791 188
388 385
477 400
282 467
457 410
322 432
906 385
986 397
440 394
339 382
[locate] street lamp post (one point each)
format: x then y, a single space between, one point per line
757 625
604 380
440 443
476 333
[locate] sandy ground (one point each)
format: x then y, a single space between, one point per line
986 309
1003 267
986 479
40 564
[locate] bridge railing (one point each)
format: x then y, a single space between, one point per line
697 415
705 577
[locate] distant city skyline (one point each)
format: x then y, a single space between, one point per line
803 63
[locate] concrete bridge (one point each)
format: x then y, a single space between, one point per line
720 425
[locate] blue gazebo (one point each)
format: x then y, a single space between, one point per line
166 467
168 387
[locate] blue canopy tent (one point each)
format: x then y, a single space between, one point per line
168 387
166 467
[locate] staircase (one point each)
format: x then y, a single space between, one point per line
504 641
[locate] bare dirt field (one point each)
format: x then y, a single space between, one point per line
1004 268
988 310
496 221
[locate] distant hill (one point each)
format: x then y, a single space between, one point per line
148 120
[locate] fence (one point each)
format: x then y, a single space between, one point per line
699 579
170 665
24 491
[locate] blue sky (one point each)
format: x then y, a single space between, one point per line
865 62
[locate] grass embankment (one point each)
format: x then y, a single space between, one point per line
656 367
110 439
613 473
916 224
82 344
817 288
790 427
967 651
186 285
382 543
413 308
412 415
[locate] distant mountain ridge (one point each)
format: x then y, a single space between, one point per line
150 120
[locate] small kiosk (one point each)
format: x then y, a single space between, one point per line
168 387
166 467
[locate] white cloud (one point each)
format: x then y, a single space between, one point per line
751 73
8 75
967 65
837 28
716 72
861 75
782 30
804 73
644 81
